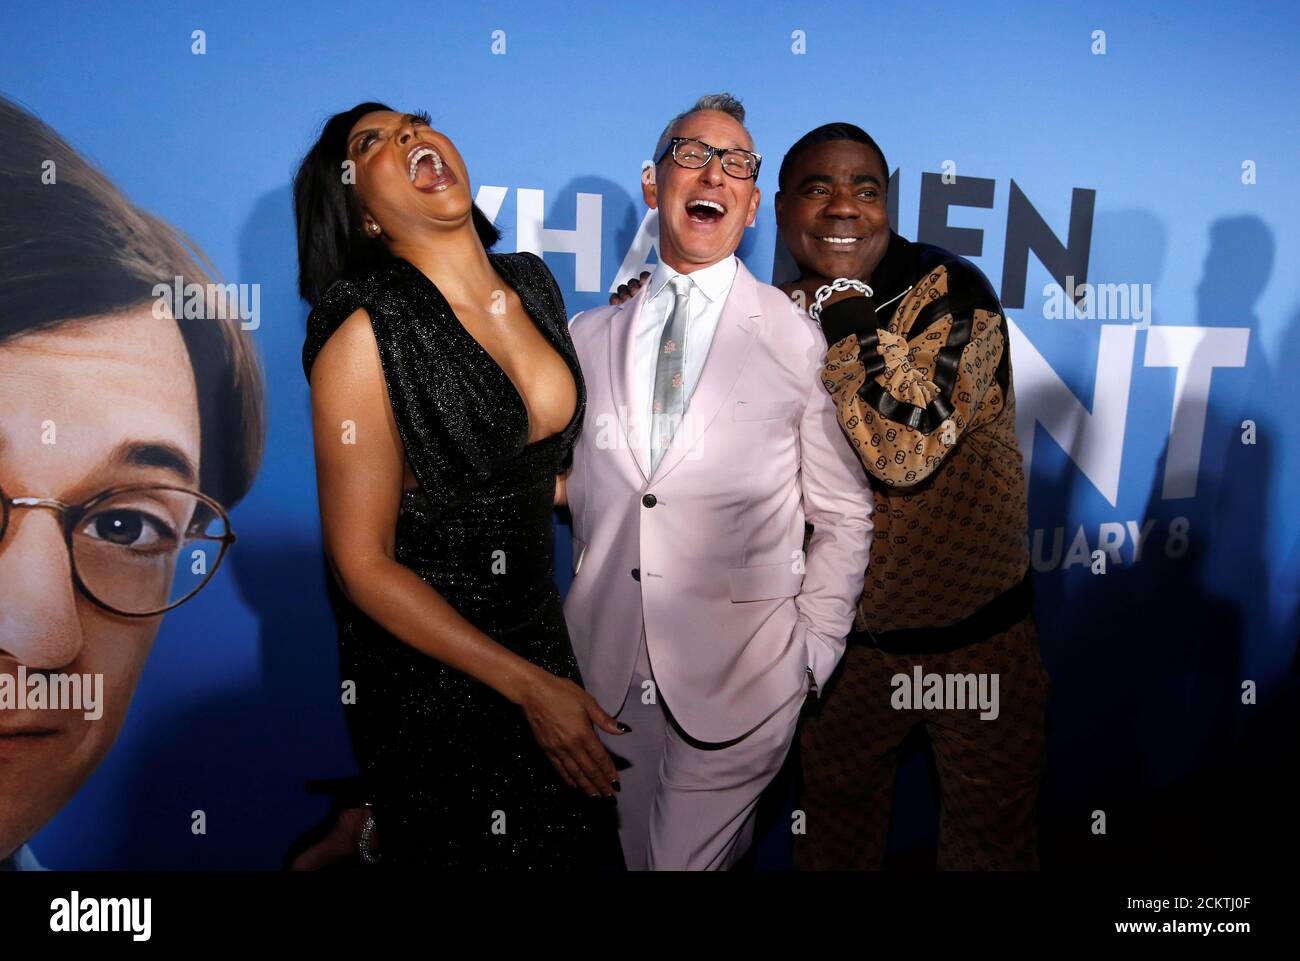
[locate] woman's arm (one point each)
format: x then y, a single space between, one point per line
359 467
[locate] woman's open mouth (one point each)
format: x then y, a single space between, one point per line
426 170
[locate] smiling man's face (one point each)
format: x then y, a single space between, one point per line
703 213
832 212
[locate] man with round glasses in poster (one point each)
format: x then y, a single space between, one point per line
124 440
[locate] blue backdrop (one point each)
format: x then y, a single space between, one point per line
1173 153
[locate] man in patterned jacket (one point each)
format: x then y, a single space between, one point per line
920 372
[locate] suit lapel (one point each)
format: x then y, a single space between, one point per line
732 340
622 378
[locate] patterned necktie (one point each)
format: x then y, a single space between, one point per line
670 387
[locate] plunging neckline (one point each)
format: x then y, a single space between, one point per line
497 260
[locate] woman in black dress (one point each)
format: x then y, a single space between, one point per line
446 399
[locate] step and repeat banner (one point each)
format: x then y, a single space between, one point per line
1124 175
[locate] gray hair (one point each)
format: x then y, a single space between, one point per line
723 102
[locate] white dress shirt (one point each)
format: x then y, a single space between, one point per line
709 290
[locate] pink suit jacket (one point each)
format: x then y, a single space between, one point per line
708 552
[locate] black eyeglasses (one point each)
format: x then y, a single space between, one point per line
136 551
694 154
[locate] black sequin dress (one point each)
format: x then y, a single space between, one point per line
455 775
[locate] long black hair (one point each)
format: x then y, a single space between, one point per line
332 241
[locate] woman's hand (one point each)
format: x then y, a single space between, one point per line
562 716
630 288
340 843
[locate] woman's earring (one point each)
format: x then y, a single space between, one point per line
375 229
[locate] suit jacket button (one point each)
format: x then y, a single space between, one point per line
636 573
649 500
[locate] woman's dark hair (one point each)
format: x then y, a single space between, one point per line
332 241
824 134
73 249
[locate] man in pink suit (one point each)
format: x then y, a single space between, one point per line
695 615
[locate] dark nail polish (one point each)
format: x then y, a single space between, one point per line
617 785
624 728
